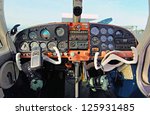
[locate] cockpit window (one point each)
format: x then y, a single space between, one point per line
130 14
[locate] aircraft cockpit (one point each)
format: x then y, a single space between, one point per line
74 59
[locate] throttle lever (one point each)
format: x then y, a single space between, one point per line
36 60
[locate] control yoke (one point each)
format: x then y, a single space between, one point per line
112 56
37 58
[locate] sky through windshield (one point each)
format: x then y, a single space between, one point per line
33 12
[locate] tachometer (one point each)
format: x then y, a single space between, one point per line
51 45
24 46
33 35
45 34
60 32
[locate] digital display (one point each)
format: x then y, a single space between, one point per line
78 40
78 35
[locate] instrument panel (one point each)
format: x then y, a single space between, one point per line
75 41
44 36
109 38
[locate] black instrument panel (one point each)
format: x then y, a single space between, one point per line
45 36
98 36
109 37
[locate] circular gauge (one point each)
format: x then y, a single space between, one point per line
110 38
103 38
111 47
43 45
104 46
110 31
34 44
62 46
95 41
51 45
60 32
45 34
32 35
24 46
119 33
103 31
95 31
24 37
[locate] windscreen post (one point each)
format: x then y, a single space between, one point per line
77 10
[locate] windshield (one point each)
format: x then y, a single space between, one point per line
131 14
